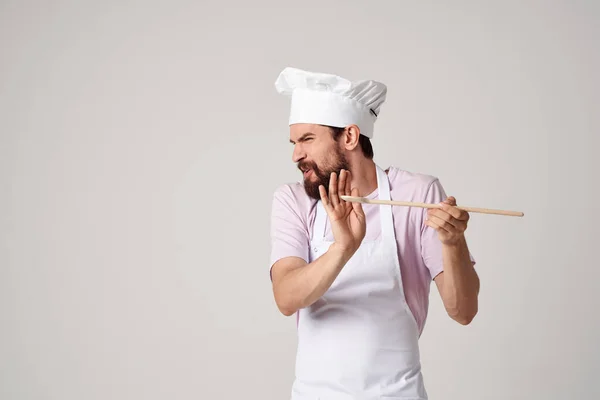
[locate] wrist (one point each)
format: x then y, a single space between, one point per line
456 243
344 252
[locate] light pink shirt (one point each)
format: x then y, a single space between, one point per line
419 249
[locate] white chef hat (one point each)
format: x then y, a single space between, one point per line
326 99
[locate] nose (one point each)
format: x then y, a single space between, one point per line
298 154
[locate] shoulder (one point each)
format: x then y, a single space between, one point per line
410 184
293 198
291 192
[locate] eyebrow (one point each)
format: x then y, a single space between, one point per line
302 137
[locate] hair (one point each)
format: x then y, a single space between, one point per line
363 141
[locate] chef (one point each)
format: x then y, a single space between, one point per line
357 276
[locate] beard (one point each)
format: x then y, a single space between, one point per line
322 175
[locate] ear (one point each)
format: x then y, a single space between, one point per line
351 136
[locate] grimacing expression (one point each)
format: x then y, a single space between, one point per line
317 156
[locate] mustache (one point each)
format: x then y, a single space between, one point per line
323 174
304 165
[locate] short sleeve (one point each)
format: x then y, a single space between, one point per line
431 246
289 232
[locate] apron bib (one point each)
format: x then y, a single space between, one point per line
359 341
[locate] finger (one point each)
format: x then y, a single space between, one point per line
440 213
432 224
342 183
324 198
356 206
333 195
442 216
443 224
345 188
450 210
450 200
348 187
347 184
448 213
460 215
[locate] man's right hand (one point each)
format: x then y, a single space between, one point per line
348 222
298 284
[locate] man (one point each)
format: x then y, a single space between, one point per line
358 276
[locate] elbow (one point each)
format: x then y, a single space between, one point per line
285 306
463 317
286 311
463 309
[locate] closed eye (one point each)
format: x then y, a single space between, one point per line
304 138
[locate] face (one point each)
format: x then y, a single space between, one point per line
317 156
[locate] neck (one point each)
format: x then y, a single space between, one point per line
364 176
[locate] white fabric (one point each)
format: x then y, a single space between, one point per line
327 99
359 341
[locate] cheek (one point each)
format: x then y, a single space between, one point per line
326 157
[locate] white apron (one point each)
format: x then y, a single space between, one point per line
359 341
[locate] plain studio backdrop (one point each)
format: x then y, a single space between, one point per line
141 143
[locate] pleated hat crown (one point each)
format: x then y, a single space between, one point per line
327 99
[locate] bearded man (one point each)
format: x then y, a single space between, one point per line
357 276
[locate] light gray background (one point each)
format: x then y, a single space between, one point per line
141 143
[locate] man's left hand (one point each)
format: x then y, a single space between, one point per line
449 222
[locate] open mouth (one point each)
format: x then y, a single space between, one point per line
306 172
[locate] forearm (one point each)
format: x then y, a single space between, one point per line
460 286
301 287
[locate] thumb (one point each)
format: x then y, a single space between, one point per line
356 206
